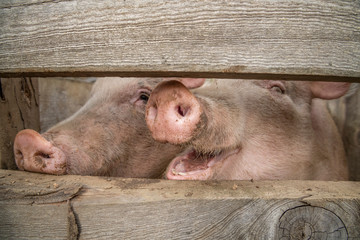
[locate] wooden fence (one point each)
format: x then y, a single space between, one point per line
291 40
38 206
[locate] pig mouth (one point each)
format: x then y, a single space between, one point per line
192 165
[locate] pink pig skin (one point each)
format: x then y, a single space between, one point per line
249 129
107 136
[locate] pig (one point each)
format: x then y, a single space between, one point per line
108 136
249 129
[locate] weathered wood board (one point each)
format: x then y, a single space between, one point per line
298 40
237 39
34 206
19 109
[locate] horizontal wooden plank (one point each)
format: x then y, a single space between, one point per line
297 39
107 208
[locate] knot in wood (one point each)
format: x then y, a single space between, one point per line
307 222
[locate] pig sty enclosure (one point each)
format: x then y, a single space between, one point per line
286 40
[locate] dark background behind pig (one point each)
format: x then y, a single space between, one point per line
346 114
61 97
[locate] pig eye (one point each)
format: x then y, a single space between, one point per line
278 89
141 97
144 97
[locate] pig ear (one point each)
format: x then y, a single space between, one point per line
192 82
328 90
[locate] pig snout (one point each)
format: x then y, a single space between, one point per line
172 113
34 153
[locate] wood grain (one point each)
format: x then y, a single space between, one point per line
19 109
299 39
108 208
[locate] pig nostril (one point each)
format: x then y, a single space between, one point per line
182 111
41 154
19 154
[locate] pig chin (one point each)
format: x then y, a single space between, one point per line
192 165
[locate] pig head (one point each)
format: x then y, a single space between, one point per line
249 129
107 136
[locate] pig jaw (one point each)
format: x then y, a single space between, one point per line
193 165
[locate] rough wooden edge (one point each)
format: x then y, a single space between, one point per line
251 39
16 181
101 207
227 75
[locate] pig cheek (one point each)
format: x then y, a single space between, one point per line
80 163
77 161
226 170
110 147
95 151
269 114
